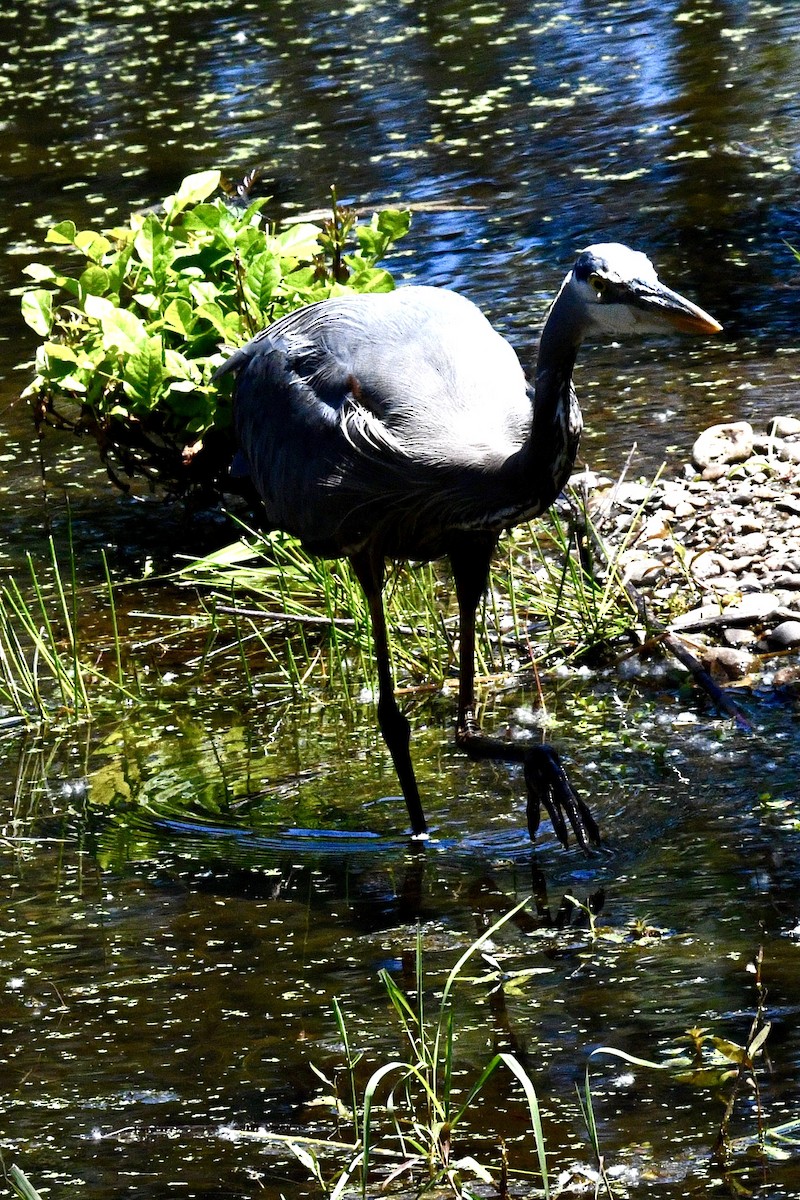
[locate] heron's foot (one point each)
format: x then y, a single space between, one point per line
548 784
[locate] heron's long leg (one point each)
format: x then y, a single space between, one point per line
546 780
369 568
471 575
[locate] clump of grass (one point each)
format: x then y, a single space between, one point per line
44 674
566 581
406 1120
309 617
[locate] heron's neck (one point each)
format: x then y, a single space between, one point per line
557 423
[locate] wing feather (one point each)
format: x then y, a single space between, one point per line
379 416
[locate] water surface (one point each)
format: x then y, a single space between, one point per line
189 887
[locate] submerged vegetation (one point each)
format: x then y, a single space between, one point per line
44 671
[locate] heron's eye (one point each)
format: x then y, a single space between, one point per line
599 283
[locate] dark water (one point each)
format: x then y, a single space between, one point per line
165 986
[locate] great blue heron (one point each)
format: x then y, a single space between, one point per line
401 426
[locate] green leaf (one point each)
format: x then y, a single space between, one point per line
94 280
759 1039
263 276
182 368
122 329
253 209
731 1051
372 244
179 315
147 300
143 372
384 228
38 272
117 267
72 286
299 281
374 279
250 241
97 307
706 1077
394 222
58 351
193 190
203 291
298 241
612 1052
37 310
62 234
22 1185
213 313
93 244
155 249
203 216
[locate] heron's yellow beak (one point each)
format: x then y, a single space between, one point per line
675 311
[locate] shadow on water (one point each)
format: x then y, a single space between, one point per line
190 886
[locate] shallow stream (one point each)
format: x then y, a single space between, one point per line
166 982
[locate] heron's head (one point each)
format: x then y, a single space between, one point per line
619 293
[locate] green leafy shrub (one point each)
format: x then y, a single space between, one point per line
131 343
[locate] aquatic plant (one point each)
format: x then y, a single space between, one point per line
43 665
410 1110
559 582
21 1185
129 345
545 601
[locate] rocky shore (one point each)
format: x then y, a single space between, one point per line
716 551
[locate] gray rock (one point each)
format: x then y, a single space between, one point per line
738 637
715 471
788 680
643 569
785 427
756 606
724 663
632 493
752 544
706 564
787 451
785 636
732 525
697 618
720 444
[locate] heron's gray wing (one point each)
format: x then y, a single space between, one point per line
363 413
286 405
